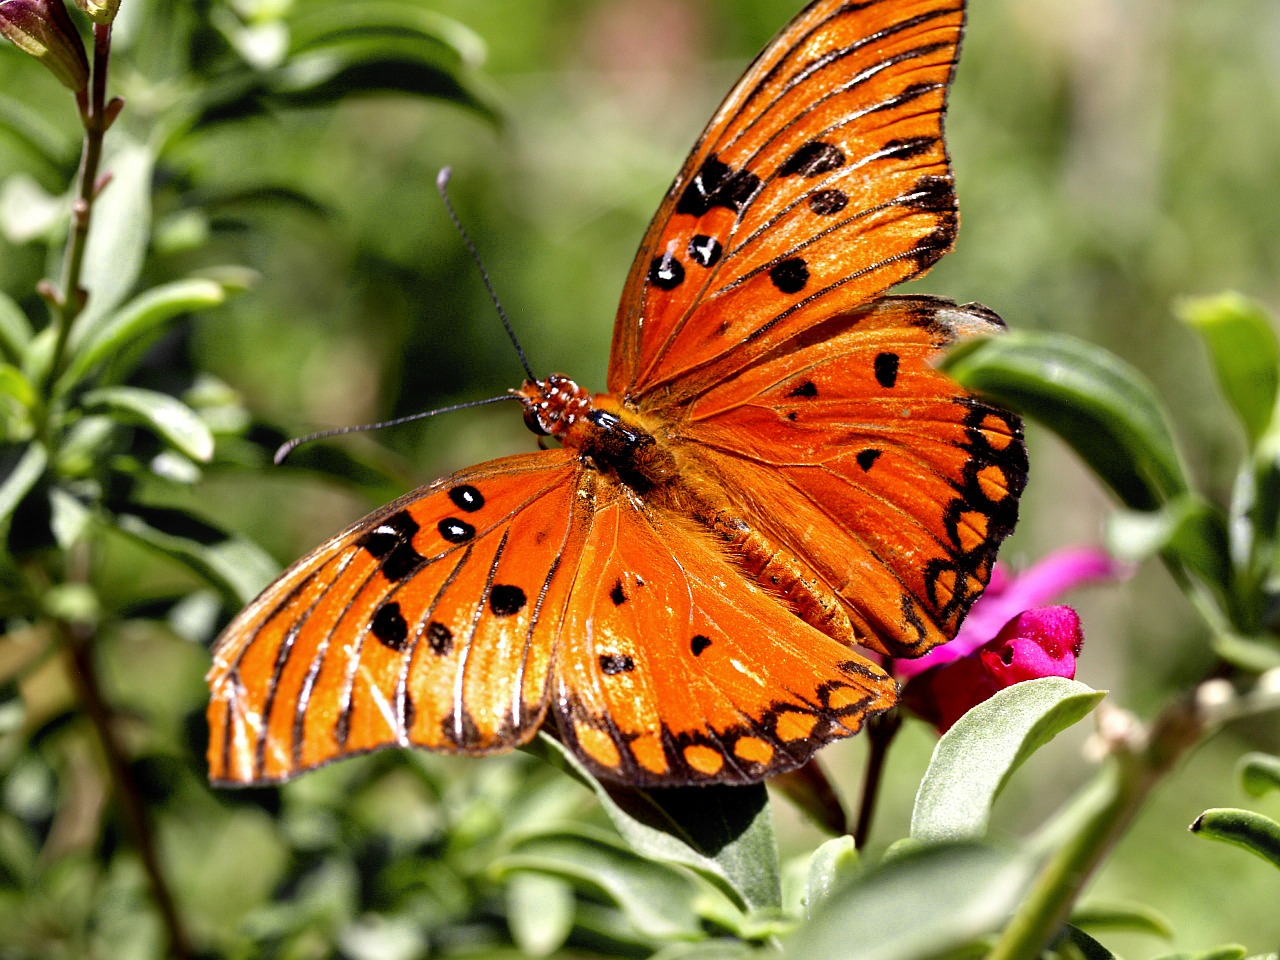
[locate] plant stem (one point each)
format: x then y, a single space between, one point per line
880 733
1092 826
71 298
78 643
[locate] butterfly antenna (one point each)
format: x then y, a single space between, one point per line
289 446
442 185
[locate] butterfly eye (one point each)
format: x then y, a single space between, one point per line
534 423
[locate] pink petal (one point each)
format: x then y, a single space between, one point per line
1036 643
1007 596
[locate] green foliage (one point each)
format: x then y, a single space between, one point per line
976 757
301 140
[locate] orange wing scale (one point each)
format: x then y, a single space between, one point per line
853 452
822 181
418 625
779 475
674 669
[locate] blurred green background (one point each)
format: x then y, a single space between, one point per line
1111 157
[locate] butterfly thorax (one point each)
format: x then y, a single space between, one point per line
609 436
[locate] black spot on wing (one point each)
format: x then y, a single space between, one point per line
705 251
699 644
806 389
455 530
790 276
827 203
506 600
716 184
615 663
813 159
617 594
439 638
666 272
867 459
391 543
886 366
389 627
467 497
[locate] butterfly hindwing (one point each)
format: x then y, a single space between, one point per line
423 624
856 454
822 181
673 669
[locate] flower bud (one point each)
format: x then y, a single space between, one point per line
1043 642
44 29
99 11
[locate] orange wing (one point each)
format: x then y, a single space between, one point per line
821 182
851 450
448 619
422 624
673 668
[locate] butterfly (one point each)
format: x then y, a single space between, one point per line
776 476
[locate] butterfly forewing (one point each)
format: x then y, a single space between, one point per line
416 625
822 181
857 454
674 670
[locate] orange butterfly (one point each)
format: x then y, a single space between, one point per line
776 474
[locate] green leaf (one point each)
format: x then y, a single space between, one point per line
167 416
338 69
707 950
1130 917
1103 408
120 229
13 709
97 339
314 27
238 568
25 475
1245 354
974 759
832 865
15 329
921 905
29 212
1244 828
1231 951
657 898
1186 530
14 383
1256 655
723 833
539 912
68 517
1259 773
1085 946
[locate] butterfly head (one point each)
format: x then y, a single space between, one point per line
552 406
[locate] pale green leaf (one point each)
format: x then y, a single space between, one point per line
1259 772
95 341
924 904
24 475
658 899
539 912
1245 354
167 416
833 864
975 758
724 833
238 568
1130 917
15 329
121 226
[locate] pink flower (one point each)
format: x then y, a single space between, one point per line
1006 638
